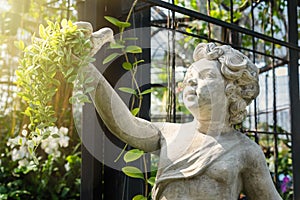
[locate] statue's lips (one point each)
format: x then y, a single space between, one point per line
190 92
190 95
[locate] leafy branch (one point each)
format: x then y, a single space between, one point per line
48 62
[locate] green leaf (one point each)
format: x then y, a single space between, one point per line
19 44
41 126
70 24
151 180
139 197
124 24
20 141
131 38
89 80
89 89
110 57
46 135
52 119
27 113
127 65
65 192
69 71
30 149
35 160
72 78
138 62
135 111
42 32
147 91
116 45
50 24
133 172
117 22
133 155
133 49
55 82
64 23
112 20
128 90
72 100
84 99
55 135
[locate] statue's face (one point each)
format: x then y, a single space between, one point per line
204 93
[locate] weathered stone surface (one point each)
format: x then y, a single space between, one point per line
205 159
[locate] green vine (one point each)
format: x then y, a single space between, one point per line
131 51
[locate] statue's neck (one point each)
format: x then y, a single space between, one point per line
213 128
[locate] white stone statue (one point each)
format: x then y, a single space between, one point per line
206 159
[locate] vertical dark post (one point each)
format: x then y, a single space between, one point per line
294 94
99 181
91 168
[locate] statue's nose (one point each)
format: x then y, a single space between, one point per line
192 82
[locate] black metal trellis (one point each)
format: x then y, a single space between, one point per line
218 22
293 47
235 30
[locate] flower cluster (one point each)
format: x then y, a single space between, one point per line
286 183
19 151
21 144
58 138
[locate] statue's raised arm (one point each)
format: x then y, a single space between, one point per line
135 131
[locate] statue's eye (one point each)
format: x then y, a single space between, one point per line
210 74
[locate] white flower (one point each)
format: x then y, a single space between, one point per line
64 141
18 154
24 133
12 142
36 139
63 130
58 138
22 163
49 145
67 166
53 129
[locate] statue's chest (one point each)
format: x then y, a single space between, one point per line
226 169
221 180
221 161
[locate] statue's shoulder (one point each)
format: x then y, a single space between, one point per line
165 126
248 147
167 129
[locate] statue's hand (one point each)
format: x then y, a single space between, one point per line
98 38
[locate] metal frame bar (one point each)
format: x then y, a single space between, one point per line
294 94
218 41
218 22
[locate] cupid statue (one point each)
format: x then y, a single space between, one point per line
206 159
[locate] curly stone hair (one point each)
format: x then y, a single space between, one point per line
240 74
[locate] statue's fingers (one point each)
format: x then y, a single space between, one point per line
100 37
86 26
